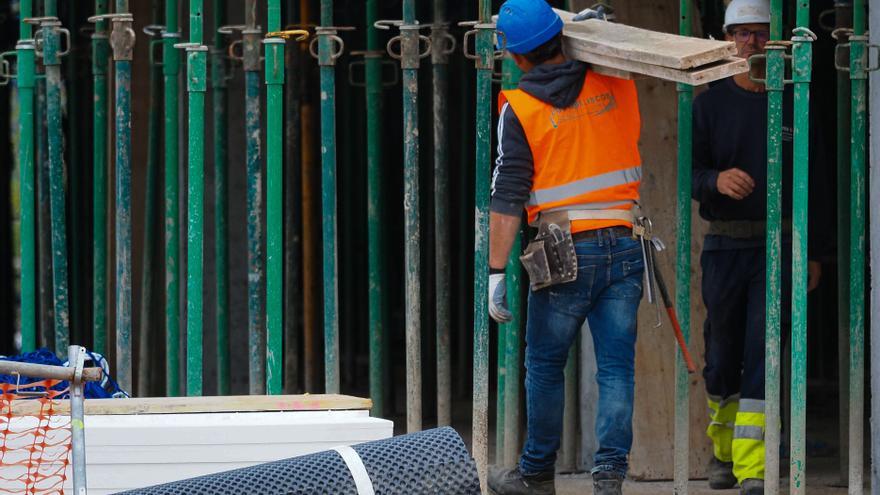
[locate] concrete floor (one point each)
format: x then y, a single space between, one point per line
822 479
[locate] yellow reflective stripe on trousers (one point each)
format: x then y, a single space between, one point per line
584 186
722 414
748 442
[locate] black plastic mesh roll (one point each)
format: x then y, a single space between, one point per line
430 462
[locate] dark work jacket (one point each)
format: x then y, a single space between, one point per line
730 131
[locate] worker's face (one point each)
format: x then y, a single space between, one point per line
749 38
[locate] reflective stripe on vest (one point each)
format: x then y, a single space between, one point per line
585 156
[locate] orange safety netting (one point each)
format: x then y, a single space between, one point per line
34 446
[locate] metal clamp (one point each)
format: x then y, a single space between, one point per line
771 45
154 31
409 59
287 34
478 26
6 74
444 43
331 33
371 55
191 47
76 384
122 37
49 22
869 67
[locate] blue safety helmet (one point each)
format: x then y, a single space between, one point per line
526 24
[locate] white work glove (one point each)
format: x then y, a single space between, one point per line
498 298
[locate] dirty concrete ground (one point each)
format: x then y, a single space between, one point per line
822 479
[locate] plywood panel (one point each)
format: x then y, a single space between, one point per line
654 47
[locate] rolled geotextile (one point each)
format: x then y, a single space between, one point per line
429 462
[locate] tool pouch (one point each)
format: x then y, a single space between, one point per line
550 258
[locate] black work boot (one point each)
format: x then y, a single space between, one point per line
752 486
607 483
513 482
721 474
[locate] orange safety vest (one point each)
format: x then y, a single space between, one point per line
586 156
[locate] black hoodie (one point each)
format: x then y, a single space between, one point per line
558 85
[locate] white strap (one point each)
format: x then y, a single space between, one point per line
357 469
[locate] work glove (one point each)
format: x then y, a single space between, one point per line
601 12
498 298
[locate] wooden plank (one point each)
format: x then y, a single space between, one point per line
612 72
643 45
44 371
170 405
694 77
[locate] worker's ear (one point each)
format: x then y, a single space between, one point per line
522 62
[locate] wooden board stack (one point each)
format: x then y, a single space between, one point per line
625 51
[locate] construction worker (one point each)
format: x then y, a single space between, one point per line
568 153
730 183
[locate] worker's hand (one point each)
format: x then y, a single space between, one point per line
814 273
498 298
735 183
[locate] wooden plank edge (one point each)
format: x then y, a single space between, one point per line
192 405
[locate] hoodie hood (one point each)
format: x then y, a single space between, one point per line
558 85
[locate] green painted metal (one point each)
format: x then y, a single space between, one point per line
221 197
171 73
51 53
485 64
274 204
253 139
154 144
775 83
197 62
409 51
858 83
512 330
681 469
100 64
44 221
373 75
327 61
801 75
25 86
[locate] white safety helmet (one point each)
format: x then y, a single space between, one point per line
747 12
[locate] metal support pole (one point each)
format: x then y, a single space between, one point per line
801 74
843 25
874 197
25 83
274 185
76 356
681 454
373 87
197 68
510 80
154 141
48 46
310 227
858 71
100 63
327 53
122 39
256 272
409 52
221 197
171 72
774 84
485 63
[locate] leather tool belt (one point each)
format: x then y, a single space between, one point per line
550 258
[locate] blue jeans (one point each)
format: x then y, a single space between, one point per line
607 292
